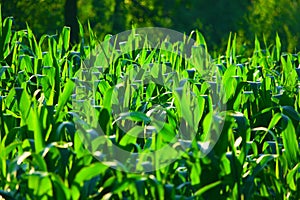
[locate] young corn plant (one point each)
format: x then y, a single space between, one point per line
42 155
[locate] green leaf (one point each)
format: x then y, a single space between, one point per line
68 90
5 37
278 47
35 125
167 131
66 37
40 183
107 100
195 174
290 141
290 178
135 116
60 190
207 187
131 136
274 120
39 162
228 50
290 111
89 172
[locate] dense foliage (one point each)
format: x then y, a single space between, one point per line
214 19
42 156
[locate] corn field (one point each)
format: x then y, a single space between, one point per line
42 155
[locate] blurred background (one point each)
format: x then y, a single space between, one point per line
214 19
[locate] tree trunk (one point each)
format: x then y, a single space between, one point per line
71 19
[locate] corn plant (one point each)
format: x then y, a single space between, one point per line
42 155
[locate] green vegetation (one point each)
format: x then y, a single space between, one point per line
42 156
215 20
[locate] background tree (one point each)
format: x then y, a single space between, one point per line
268 17
215 20
42 16
71 19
